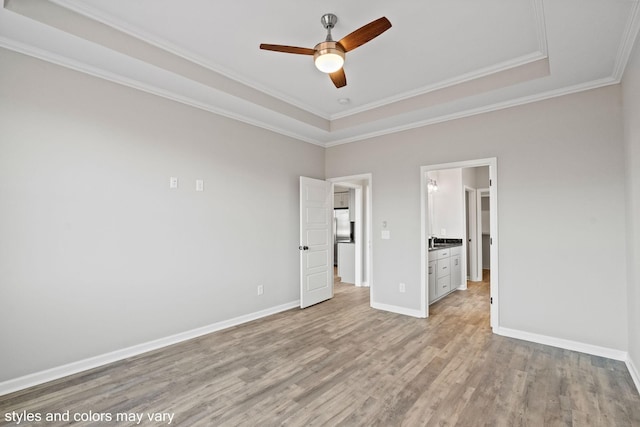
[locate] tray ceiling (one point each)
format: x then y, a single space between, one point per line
441 59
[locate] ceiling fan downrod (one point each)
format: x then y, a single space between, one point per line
329 21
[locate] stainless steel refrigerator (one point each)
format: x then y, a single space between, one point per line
341 230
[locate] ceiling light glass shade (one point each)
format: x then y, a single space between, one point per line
328 57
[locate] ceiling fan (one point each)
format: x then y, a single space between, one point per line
329 54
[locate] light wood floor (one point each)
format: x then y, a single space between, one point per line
343 363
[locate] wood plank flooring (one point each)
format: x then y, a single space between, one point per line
341 363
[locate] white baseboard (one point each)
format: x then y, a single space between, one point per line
594 350
41 377
633 370
397 309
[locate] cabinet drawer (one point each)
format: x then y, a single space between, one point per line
443 286
443 267
455 250
443 253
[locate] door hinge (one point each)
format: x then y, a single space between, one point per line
490 183
491 240
491 298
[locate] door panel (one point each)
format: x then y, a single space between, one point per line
316 255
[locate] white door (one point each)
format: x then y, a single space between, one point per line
316 246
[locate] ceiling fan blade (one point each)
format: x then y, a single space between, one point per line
339 78
288 49
365 34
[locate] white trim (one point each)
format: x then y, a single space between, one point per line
471 222
627 39
629 36
633 371
110 21
424 242
397 309
454 81
541 26
57 372
609 353
98 16
135 84
594 84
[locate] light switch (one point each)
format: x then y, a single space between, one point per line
173 182
199 185
386 234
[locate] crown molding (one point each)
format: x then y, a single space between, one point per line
95 15
480 110
539 23
626 45
325 138
541 53
464 78
136 84
541 26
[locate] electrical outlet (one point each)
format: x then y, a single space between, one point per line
260 290
173 182
402 287
199 185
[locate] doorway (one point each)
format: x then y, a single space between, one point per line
362 227
465 200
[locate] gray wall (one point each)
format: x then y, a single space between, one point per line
96 253
556 278
631 98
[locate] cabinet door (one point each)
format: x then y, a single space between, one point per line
341 200
432 281
443 286
443 267
456 272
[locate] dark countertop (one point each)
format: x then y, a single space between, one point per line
445 243
444 246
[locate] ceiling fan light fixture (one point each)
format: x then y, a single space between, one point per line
329 57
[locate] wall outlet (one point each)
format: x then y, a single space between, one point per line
260 290
402 287
199 185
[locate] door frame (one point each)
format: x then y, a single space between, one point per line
492 162
471 220
480 193
363 249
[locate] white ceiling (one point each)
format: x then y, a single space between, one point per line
441 60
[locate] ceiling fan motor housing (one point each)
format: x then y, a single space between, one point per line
328 56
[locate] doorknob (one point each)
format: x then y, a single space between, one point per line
303 248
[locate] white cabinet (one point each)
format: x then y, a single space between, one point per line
443 286
341 200
445 272
432 280
444 267
347 262
456 272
